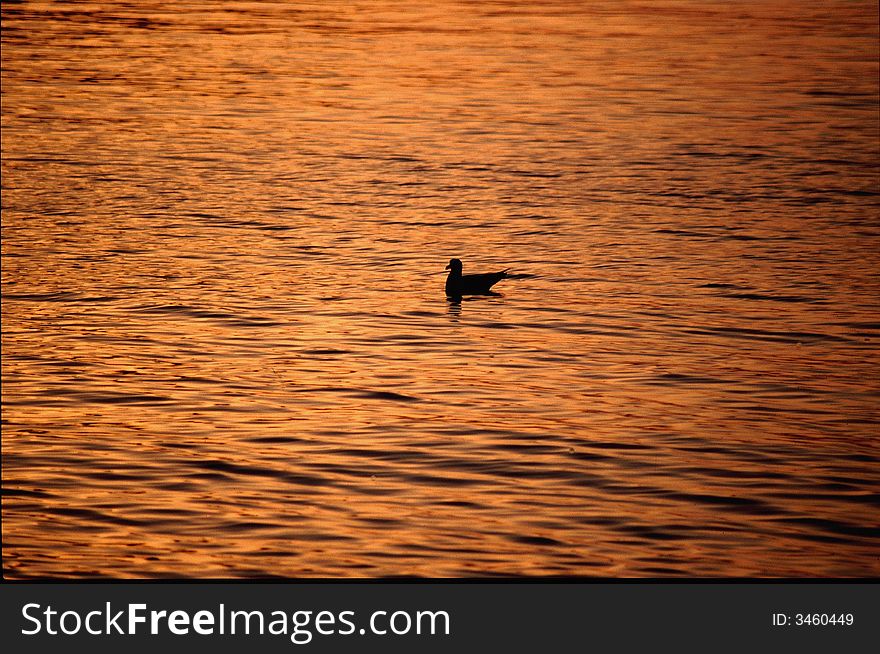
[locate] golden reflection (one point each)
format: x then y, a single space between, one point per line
226 346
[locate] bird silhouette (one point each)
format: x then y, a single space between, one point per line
475 284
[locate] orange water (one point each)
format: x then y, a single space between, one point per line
226 349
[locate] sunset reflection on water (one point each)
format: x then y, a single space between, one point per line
226 347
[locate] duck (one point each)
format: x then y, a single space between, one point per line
474 284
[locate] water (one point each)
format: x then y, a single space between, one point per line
226 348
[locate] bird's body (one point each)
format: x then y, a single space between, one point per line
478 284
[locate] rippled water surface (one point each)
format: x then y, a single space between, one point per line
226 346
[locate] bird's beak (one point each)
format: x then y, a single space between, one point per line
447 267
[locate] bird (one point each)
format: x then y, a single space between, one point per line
476 284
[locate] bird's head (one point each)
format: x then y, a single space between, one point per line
454 265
